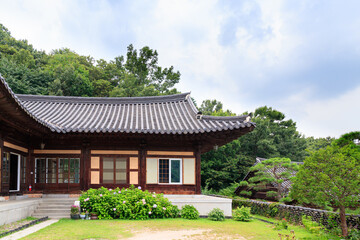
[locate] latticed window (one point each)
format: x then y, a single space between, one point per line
163 170
5 167
170 170
57 170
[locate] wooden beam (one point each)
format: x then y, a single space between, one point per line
16 147
48 151
115 152
169 153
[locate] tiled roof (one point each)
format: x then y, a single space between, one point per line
173 114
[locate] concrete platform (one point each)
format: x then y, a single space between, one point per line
14 210
203 203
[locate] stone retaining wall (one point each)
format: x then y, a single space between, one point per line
295 213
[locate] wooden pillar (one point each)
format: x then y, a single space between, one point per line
30 169
85 166
142 172
198 169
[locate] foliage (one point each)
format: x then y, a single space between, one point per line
64 72
330 176
273 171
282 224
215 108
314 144
189 212
242 214
216 215
221 168
74 209
274 136
312 226
354 234
127 203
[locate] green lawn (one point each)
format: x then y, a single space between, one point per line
122 229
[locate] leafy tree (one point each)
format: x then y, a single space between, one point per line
274 171
215 108
314 144
220 168
273 137
331 176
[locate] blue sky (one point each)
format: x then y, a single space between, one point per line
300 57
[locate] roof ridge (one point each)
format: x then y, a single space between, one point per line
99 100
225 118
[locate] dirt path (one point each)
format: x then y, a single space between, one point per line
180 235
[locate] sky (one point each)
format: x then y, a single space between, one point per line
299 57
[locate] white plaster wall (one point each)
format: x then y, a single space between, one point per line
204 204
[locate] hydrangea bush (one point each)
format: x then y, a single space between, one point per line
127 203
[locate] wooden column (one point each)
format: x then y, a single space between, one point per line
198 169
142 170
30 168
85 166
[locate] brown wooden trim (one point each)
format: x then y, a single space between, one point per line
198 170
115 152
169 153
47 151
16 147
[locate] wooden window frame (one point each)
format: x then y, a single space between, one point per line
181 171
57 157
101 170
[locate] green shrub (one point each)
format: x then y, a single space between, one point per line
127 203
189 212
273 210
216 215
283 224
312 226
242 214
354 234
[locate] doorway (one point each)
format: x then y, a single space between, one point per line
14 178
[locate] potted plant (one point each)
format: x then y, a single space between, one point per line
82 215
87 215
74 212
94 215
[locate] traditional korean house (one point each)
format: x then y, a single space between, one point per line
68 144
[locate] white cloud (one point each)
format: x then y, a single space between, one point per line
264 58
320 118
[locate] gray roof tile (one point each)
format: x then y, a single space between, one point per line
172 114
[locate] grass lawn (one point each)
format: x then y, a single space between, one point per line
122 229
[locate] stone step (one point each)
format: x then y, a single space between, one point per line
55 196
51 211
56 206
58 216
57 200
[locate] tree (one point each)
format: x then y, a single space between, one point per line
331 176
314 144
220 168
215 108
273 137
273 171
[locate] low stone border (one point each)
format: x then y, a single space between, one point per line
318 215
24 226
